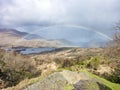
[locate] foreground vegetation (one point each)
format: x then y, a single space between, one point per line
14 68
19 71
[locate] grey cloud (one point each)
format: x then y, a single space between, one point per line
30 11
95 14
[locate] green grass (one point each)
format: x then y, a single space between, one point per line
111 85
69 87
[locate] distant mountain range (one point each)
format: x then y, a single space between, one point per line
12 37
55 37
75 36
32 36
65 42
12 32
15 33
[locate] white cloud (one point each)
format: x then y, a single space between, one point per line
33 11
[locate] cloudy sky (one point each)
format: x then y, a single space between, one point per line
99 15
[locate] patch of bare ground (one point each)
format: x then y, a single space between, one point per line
104 69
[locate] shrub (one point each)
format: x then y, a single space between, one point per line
94 62
14 68
64 62
115 75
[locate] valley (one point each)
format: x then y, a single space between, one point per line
27 60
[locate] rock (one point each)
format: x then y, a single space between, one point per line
55 81
86 85
90 85
74 77
59 80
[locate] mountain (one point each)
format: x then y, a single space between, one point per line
75 36
55 36
65 42
12 32
12 37
32 36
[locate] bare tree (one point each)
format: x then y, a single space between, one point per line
113 49
113 53
116 37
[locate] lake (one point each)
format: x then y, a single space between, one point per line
26 50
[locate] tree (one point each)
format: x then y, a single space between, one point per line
116 38
114 53
113 50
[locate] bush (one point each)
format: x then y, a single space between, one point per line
115 75
14 68
64 62
94 62
13 77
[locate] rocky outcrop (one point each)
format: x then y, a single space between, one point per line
90 85
55 81
59 80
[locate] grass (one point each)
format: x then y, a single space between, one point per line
69 87
111 85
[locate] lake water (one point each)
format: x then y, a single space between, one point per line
25 50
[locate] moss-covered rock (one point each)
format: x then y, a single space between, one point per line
90 85
69 80
55 81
